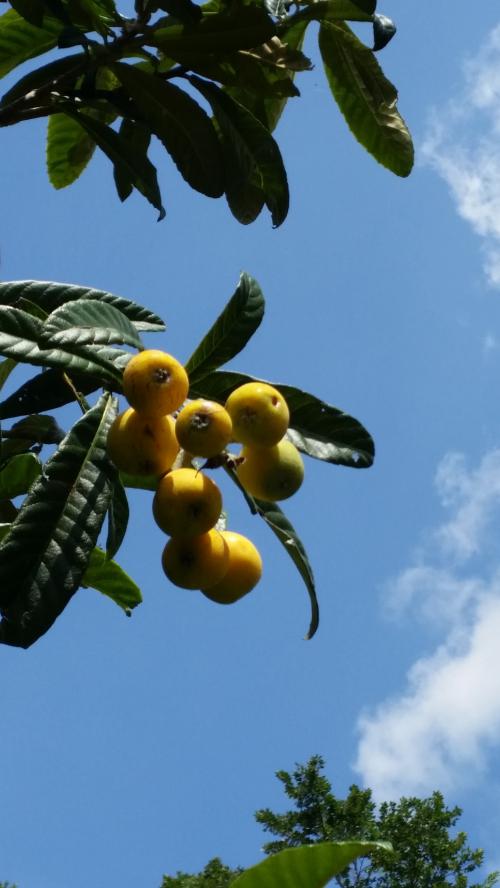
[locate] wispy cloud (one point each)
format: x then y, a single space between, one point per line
462 144
438 731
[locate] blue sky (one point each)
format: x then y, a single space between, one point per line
136 747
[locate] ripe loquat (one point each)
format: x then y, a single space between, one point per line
259 413
243 573
186 503
271 473
142 445
193 562
203 428
155 383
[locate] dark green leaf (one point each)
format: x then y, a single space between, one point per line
49 295
368 6
45 555
47 390
17 476
310 866
287 535
283 529
231 331
6 368
336 11
243 27
268 109
316 428
63 72
118 516
109 578
88 322
20 41
138 137
185 11
31 431
138 168
365 97
20 338
383 31
4 529
31 10
182 126
254 166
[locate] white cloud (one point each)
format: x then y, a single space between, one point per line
438 731
462 145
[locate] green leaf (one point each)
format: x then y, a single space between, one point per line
242 27
316 428
49 295
31 10
28 432
18 475
337 11
4 529
365 97
134 165
48 390
118 516
138 138
310 866
21 339
109 578
69 150
6 368
88 322
183 127
231 331
63 71
139 482
45 555
254 166
287 535
268 109
20 41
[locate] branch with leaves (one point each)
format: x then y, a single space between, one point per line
134 78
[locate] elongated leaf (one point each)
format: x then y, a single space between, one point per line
136 166
231 331
49 295
69 150
88 322
253 160
109 578
118 516
310 866
4 529
64 71
268 109
31 431
241 28
316 428
138 137
365 97
6 368
287 535
20 41
17 476
44 557
336 11
20 338
31 10
182 126
47 390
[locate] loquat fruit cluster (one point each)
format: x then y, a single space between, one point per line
162 432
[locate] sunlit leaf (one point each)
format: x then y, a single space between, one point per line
18 474
310 866
88 322
365 97
20 41
109 578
